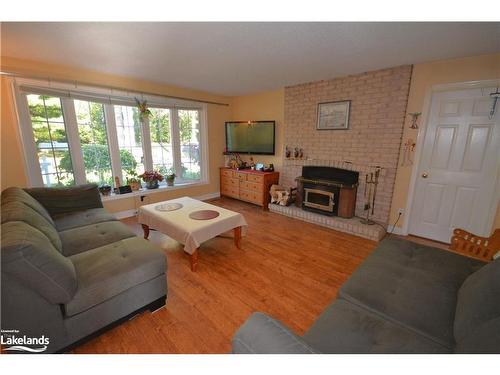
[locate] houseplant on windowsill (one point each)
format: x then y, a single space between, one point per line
170 178
134 181
152 179
105 190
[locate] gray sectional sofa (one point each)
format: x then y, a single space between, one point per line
69 269
404 298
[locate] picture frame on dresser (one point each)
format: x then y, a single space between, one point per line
333 115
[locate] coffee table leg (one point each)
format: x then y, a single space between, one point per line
145 228
194 260
237 237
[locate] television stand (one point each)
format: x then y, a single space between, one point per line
248 185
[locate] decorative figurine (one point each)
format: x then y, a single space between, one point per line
414 119
296 153
301 153
252 163
409 148
288 153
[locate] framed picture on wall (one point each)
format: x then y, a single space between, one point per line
333 115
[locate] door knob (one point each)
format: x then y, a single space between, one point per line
424 175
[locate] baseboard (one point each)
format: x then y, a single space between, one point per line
396 230
133 212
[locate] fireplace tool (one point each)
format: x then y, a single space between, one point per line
371 182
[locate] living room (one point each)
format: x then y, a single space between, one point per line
312 187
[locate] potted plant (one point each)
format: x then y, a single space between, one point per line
170 178
134 181
105 190
152 179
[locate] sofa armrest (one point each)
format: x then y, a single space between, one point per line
67 199
261 334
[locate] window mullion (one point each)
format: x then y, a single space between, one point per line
29 145
114 149
176 143
203 118
146 143
75 147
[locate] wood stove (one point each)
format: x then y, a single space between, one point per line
327 190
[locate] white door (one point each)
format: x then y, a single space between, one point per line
456 185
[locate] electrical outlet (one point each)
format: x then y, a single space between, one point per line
401 211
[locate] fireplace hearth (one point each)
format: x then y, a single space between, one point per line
327 190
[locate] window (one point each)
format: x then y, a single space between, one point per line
161 140
49 132
93 136
128 129
94 141
189 128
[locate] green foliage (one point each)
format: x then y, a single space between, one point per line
96 159
95 132
185 126
38 113
159 123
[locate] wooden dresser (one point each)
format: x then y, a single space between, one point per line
247 185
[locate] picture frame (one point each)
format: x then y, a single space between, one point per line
333 115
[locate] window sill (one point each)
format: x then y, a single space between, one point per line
161 189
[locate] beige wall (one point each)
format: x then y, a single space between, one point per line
264 106
12 163
424 76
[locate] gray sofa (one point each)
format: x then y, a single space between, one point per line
404 298
69 269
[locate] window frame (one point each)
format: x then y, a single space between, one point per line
22 87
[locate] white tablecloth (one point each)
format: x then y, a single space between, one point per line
191 233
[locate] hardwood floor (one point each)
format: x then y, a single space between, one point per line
286 268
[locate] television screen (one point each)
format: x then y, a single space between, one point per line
250 137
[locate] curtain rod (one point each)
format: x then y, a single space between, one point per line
75 82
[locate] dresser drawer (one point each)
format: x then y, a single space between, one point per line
241 176
230 191
255 178
252 186
233 182
227 173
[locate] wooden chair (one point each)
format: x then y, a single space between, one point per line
473 246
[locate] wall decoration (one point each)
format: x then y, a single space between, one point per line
408 150
414 119
333 115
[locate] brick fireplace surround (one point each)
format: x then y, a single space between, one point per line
378 110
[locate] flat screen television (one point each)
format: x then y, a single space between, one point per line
250 137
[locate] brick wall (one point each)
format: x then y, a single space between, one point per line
378 109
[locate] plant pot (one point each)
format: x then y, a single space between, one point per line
105 190
170 181
152 184
135 185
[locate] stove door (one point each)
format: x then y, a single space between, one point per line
319 199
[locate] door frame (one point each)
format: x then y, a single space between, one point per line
422 131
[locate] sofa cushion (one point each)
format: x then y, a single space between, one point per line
29 256
109 270
18 211
15 194
59 200
477 317
412 284
91 236
81 218
347 328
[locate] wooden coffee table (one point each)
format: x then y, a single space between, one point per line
190 232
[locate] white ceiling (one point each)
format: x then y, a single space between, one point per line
243 58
